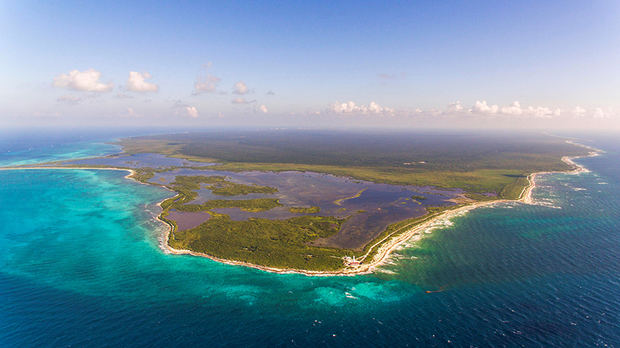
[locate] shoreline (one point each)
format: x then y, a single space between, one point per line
390 242
415 233
128 176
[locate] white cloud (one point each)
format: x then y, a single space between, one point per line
262 108
136 82
600 113
452 107
542 112
595 113
578 111
240 88
87 81
512 109
191 111
351 107
185 109
131 112
484 108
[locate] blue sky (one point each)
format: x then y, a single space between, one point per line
422 63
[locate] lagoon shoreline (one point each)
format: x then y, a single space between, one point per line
385 246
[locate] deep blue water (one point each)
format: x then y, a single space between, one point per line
80 266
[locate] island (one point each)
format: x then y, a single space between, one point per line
322 202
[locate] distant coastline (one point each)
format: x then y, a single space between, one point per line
385 246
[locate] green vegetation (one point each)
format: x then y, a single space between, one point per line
227 188
475 162
252 205
450 151
304 210
187 185
339 201
219 185
515 188
486 166
143 174
275 243
400 227
477 181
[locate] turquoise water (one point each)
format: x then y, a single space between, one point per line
81 266
47 146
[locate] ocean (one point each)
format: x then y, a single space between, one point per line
81 266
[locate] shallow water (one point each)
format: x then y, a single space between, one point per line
81 266
151 160
371 207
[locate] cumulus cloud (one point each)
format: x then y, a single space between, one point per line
578 111
595 113
352 107
542 112
484 108
185 109
601 114
514 112
512 109
191 111
452 107
240 100
87 81
262 108
136 82
240 88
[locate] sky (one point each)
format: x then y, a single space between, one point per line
311 64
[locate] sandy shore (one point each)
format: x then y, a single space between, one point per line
391 242
388 244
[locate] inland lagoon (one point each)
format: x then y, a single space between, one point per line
83 265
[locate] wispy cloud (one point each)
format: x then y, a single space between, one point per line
241 100
206 83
